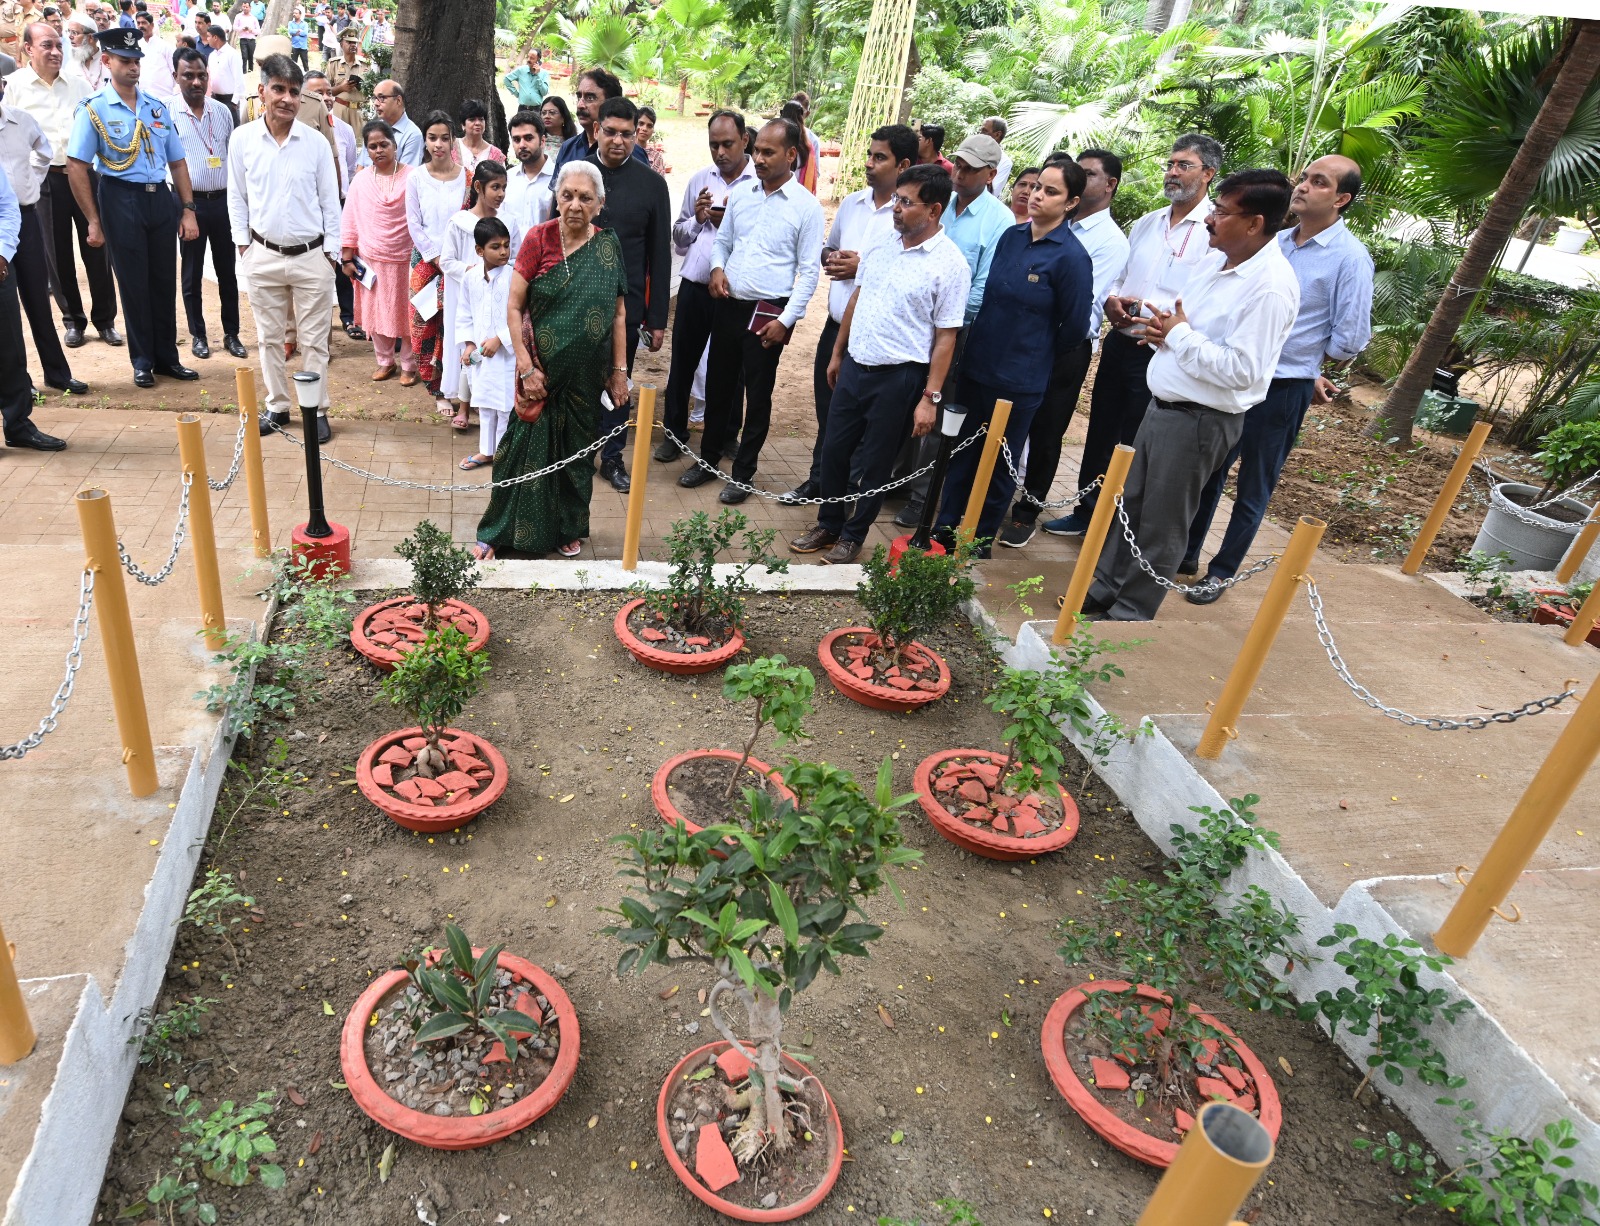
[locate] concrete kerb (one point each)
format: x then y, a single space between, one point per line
598 575
1158 784
78 1119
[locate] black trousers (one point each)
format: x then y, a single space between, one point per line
869 417
31 272
613 417
736 351
1050 424
247 54
301 56
59 215
141 230
1116 407
211 212
16 389
344 289
823 393
691 331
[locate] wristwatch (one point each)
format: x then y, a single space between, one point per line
936 397
191 206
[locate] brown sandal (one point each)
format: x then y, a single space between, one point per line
382 373
408 378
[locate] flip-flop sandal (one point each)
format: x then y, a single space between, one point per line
355 333
484 553
472 462
570 550
460 422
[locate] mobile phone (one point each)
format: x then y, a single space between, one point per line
828 253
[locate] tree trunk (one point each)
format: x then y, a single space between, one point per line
277 17
913 67
1157 16
1578 68
444 53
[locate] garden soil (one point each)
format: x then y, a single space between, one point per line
933 1040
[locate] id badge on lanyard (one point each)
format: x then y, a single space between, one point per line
1173 276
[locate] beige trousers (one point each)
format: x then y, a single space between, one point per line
282 287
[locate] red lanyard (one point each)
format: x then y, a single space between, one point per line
200 126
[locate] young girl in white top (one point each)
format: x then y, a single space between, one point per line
458 257
434 193
488 363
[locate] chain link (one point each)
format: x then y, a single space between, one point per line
1019 478
178 534
80 628
1433 723
1210 585
238 452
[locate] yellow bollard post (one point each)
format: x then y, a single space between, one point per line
1297 555
116 636
968 528
16 1031
1547 794
1218 1163
255 477
1579 551
202 533
644 426
1105 511
1446 499
1585 619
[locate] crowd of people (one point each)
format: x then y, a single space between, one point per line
520 289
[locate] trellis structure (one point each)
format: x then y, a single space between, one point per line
880 81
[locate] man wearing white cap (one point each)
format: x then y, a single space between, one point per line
85 51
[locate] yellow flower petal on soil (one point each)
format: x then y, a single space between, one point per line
155 842
919 1090
634 1165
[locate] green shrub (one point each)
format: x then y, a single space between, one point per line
918 594
453 995
958 106
441 570
782 696
694 600
433 682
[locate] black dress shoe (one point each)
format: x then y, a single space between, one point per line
143 378
76 386
732 495
199 348
324 430
29 435
72 338
271 422
696 476
1205 595
806 489
614 472
178 372
110 336
232 345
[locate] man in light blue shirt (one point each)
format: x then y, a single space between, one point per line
389 100
976 219
1334 323
529 82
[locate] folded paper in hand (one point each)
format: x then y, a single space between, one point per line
426 300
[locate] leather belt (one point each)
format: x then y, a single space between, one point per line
216 195
134 186
296 249
58 170
1183 406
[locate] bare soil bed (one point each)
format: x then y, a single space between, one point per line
934 1038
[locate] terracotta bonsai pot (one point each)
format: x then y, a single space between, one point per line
663 798
979 841
832 1134
457 1132
871 693
382 631
672 661
469 754
1137 1144
1559 615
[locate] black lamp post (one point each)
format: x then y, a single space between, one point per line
950 422
308 392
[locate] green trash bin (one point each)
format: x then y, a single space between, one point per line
1446 414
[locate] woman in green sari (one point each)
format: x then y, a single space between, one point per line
569 331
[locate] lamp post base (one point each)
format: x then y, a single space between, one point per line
327 556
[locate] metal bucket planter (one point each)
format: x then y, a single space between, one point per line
1534 540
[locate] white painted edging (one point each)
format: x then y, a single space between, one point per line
1158 784
603 575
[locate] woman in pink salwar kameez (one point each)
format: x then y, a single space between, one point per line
375 230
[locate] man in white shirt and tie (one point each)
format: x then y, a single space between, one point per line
1164 248
764 269
694 233
1215 353
283 206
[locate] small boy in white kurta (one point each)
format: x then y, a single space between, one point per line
488 362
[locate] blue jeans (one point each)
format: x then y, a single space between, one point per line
1270 429
978 399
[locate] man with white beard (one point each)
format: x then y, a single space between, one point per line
84 52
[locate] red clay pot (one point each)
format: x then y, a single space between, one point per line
1136 1144
989 843
431 818
467 619
833 1134
663 799
869 693
1555 615
457 1132
672 661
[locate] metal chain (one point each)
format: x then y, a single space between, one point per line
1209 585
80 628
1433 723
816 502
238 452
471 486
1525 514
1019 478
178 534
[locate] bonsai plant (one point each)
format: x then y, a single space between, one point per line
781 695
432 776
1154 1055
1537 538
990 803
882 664
423 1048
784 905
442 572
693 624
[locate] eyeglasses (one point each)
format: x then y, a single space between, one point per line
384 97
1231 213
1183 165
903 202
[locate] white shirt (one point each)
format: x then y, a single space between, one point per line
430 204
1002 178
1107 246
1239 318
52 105
692 239
1161 258
769 246
227 71
481 314
858 225
529 201
24 153
286 193
345 136
904 294
205 140
155 70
